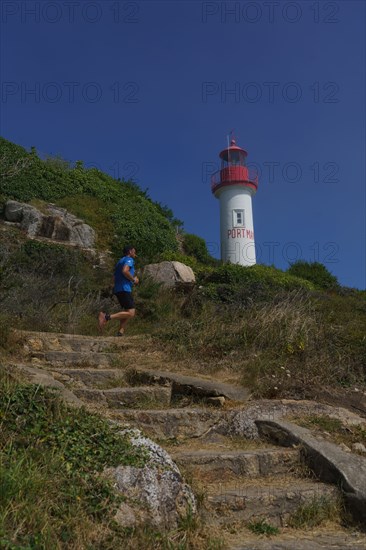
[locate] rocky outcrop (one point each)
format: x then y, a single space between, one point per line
170 274
56 224
156 493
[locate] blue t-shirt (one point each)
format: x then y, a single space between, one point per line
121 283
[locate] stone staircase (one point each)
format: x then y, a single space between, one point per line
207 427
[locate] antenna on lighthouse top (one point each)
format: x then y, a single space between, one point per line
230 137
230 142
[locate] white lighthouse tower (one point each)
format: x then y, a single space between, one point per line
234 188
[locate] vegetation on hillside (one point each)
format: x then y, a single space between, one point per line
119 210
314 272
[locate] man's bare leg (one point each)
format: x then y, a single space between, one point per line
122 324
122 316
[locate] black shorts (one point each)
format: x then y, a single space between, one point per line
125 299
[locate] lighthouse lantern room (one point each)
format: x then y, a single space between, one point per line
235 187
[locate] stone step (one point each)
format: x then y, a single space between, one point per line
51 341
105 344
116 398
90 378
176 424
78 359
210 465
65 335
190 385
244 501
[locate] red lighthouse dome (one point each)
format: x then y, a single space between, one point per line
233 170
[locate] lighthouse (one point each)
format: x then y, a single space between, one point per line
234 188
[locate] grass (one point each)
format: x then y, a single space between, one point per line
146 403
262 527
317 512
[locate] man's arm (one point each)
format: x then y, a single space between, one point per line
127 274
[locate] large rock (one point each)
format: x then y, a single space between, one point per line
155 494
170 274
56 224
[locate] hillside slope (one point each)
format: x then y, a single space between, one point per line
119 210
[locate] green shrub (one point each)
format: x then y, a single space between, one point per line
314 272
196 247
242 286
268 276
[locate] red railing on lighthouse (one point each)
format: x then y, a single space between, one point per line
234 175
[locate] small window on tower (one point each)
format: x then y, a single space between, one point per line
238 218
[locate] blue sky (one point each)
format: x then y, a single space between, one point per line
150 89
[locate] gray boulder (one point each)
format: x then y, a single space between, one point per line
170 274
31 220
14 211
155 494
56 224
28 217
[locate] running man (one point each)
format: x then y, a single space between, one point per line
124 279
